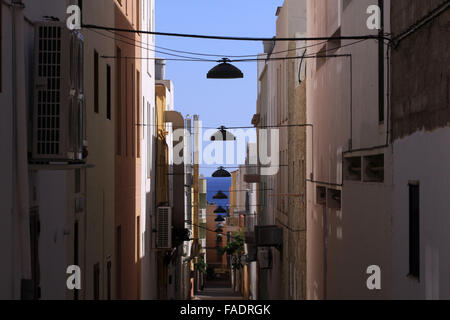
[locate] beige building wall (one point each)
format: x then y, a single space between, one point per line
348 211
100 133
277 106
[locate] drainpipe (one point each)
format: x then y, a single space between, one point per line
22 251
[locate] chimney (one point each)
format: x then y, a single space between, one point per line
160 69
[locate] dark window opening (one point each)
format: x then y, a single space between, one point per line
108 280
97 282
119 102
414 230
119 262
75 254
96 83
108 92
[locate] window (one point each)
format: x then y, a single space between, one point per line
133 112
75 254
97 282
108 92
119 262
414 230
96 95
149 140
138 14
119 102
108 280
138 238
138 113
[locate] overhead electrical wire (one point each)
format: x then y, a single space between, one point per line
315 55
197 36
210 54
195 59
138 46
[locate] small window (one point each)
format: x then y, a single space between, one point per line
119 102
138 238
108 280
75 253
97 282
414 230
119 262
96 83
138 114
108 92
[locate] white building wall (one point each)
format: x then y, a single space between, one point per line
412 154
149 262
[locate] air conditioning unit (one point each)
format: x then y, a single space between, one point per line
268 236
58 108
164 228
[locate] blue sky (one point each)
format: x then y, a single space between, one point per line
218 102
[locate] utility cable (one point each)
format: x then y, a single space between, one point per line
210 54
197 36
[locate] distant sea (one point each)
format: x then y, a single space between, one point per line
213 185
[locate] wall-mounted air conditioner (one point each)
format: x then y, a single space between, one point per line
268 236
164 228
58 108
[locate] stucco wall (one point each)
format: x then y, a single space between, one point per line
343 242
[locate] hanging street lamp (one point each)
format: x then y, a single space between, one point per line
221 173
225 70
220 195
220 210
219 219
223 135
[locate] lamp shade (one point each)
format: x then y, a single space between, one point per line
223 135
220 209
219 219
225 70
218 230
220 195
221 173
